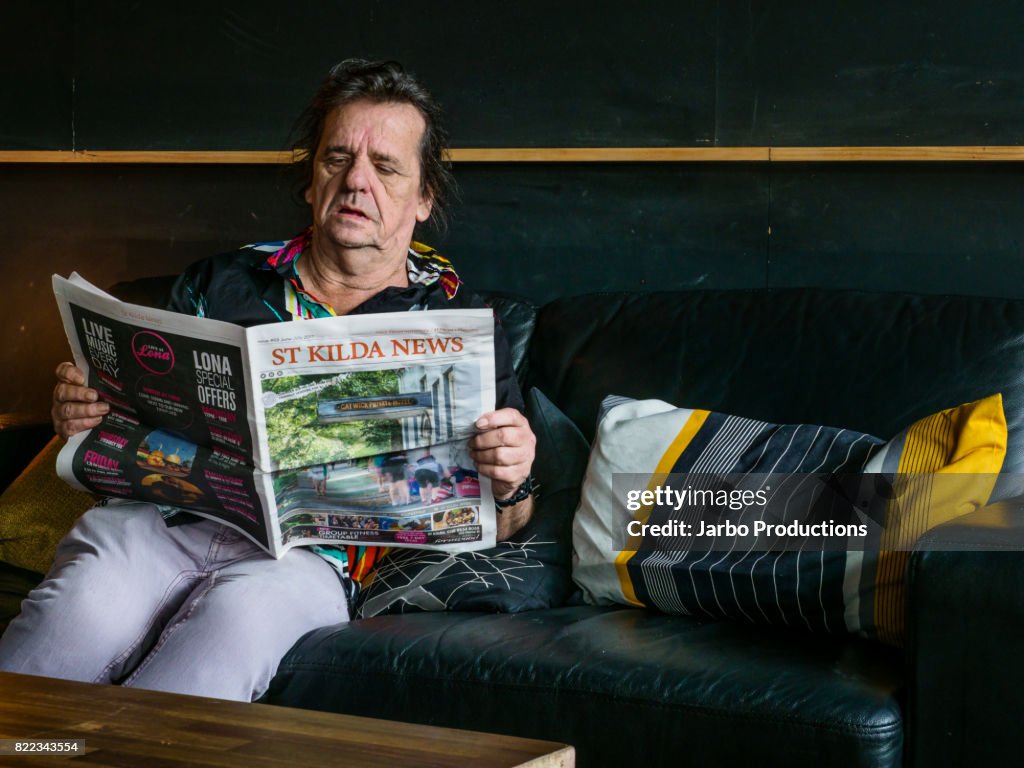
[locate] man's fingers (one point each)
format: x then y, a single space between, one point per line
76 407
503 450
70 410
503 436
493 438
70 374
506 417
71 417
64 393
503 456
505 464
74 426
80 425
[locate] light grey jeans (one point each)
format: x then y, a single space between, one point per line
195 609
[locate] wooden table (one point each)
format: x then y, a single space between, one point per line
128 727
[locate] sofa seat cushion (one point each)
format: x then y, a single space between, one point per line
610 681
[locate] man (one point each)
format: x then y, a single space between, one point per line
196 608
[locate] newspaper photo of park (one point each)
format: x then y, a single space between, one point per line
329 417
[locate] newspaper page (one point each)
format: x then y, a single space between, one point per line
180 431
340 430
364 427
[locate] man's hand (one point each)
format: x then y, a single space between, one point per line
503 451
76 407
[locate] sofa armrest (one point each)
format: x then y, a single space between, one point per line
965 640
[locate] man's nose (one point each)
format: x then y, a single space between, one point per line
357 174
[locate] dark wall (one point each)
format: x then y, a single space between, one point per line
109 74
231 75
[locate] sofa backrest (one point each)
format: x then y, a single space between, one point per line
874 362
518 318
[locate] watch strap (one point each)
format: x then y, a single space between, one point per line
521 493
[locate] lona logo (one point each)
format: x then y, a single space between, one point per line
153 352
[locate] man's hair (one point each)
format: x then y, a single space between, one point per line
381 82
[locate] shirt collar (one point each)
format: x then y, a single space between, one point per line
424 265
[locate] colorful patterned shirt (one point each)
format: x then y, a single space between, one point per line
260 283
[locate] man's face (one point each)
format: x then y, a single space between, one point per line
366 177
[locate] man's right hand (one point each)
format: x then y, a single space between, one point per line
76 407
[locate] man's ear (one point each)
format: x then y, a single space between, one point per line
425 206
307 194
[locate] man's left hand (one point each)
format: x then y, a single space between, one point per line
503 450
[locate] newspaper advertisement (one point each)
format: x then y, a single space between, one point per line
342 430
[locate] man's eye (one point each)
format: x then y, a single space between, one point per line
385 170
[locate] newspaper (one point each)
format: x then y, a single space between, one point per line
342 430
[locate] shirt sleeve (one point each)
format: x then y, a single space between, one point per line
187 297
507 393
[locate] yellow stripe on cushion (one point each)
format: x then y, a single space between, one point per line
667 461
948 468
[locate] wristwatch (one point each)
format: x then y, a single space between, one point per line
521 493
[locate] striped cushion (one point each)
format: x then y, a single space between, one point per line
942 466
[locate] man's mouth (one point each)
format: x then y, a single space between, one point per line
348 210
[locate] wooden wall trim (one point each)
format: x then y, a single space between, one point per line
561 155
143 157
895 154
611 155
